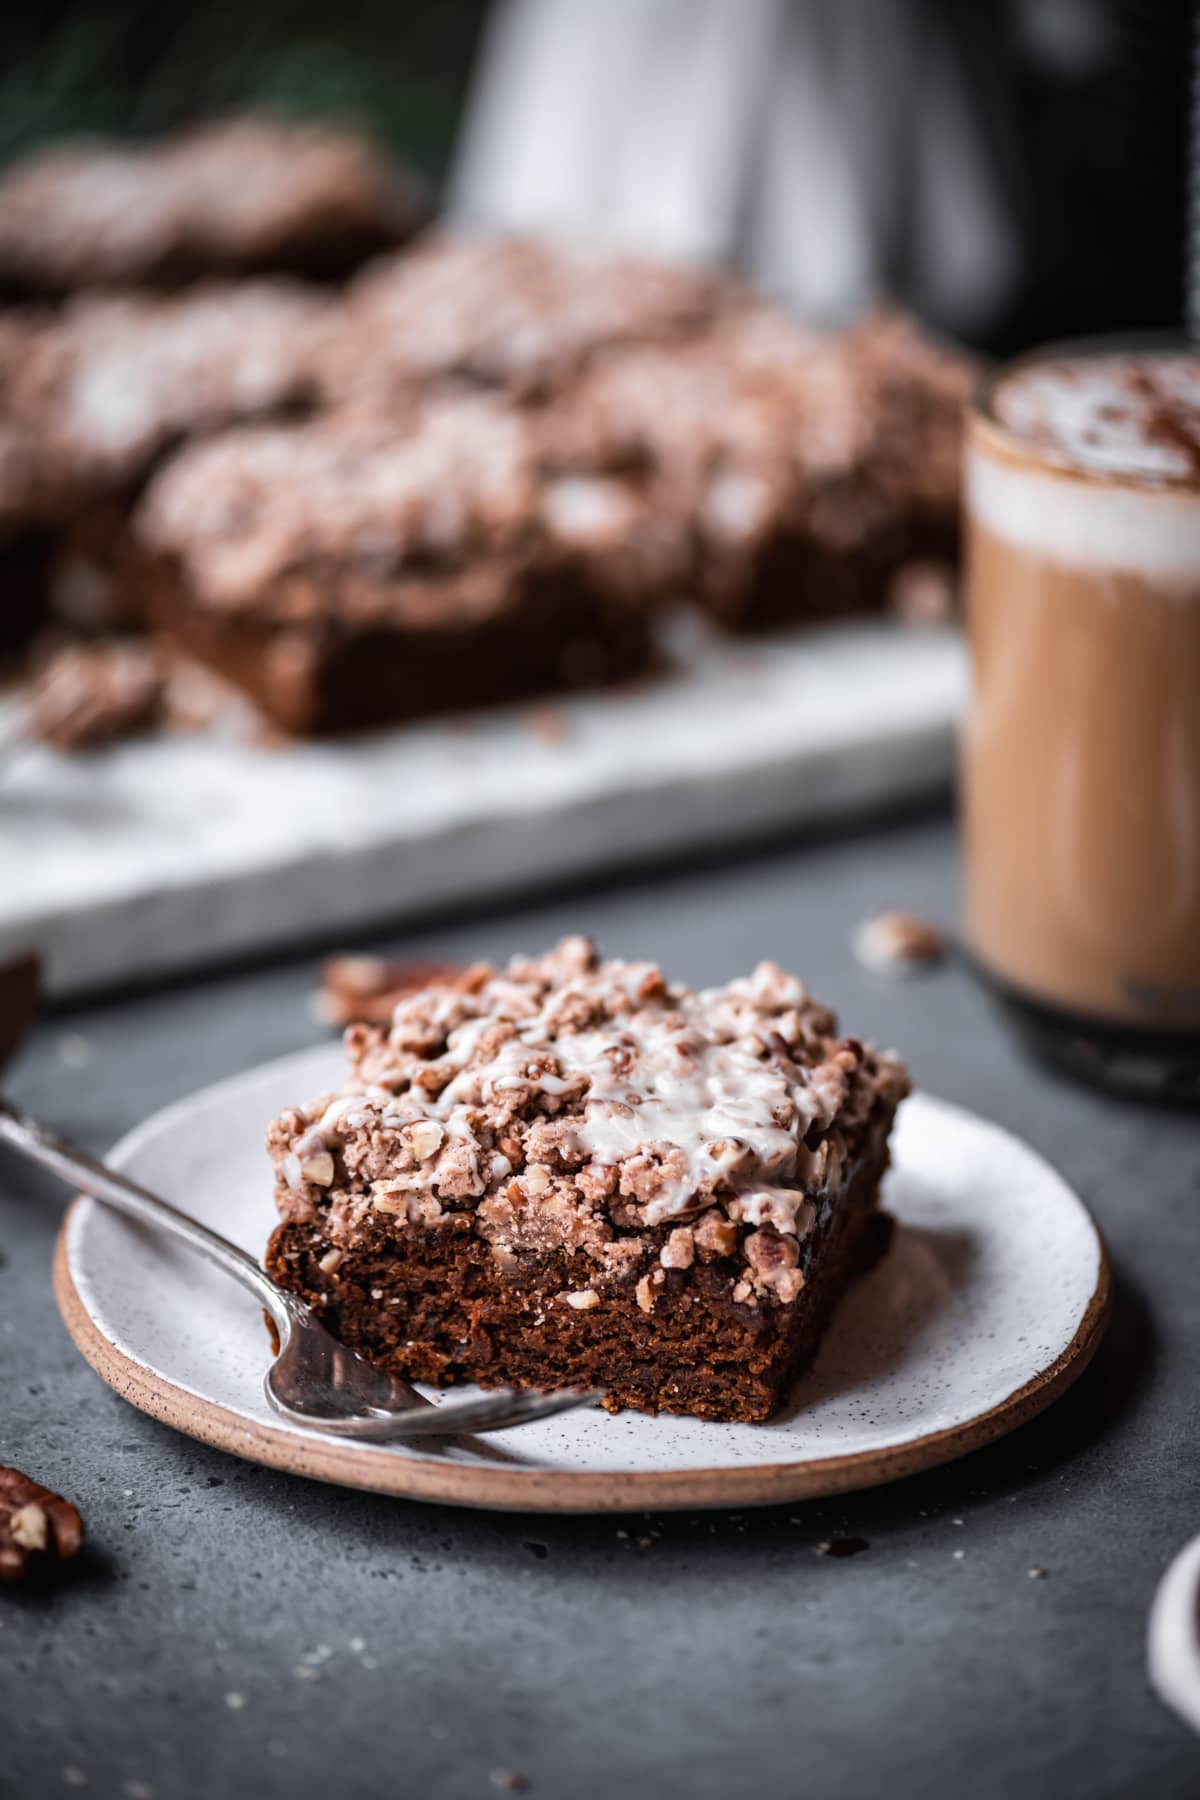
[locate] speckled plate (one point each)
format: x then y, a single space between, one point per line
990 1302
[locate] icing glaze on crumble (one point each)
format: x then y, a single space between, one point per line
566 1100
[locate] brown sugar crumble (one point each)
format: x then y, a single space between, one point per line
369 988
344 572
231 196
572 1171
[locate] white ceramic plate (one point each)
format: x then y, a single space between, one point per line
989 1303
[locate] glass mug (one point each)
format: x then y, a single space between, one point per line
1080 770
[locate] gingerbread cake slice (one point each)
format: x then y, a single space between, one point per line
809 469
233 196
511 314
353 571
571 1171
111 384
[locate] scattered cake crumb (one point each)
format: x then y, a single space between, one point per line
548 723
924 594
843 1546
898 943
87 696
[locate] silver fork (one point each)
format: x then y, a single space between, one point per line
314 1380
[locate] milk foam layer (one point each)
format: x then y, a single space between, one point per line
1119 414
1152 532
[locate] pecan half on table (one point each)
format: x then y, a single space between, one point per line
36 1526
364 990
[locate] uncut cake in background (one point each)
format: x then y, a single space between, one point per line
352 571
570 1172
808 470
237 196
112 384
805 469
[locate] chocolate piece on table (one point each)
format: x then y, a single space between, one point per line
569 1172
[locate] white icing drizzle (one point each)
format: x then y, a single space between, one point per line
686 1078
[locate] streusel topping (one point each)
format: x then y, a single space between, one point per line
113 381
423 518
507 312
565 1096
233 191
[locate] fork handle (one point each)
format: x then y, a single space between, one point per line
41 1145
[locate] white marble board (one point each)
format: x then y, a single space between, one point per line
161 855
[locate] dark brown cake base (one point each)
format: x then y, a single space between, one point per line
797 579
24 559
432 1303
326 678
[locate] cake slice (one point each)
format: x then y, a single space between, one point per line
573 1172
808 468
233 196
352 571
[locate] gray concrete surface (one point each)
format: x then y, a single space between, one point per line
235 1632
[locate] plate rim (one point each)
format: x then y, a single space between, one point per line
528 1488
534 1490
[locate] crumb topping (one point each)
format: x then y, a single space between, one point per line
112 382
235 190
569 1100
419 520
87 695
760 426
508 312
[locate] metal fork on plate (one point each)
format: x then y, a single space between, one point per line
314 1380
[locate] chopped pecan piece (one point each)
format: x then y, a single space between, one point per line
36 1526
365 989
773 1260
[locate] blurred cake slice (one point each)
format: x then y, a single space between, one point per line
236 196
355 571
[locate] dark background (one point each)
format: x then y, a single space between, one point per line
1085 104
